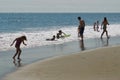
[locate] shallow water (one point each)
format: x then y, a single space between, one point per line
30 55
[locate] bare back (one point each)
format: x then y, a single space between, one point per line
18 42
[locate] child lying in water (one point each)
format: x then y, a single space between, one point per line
52 39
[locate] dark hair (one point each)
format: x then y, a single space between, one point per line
60 31
105 19
79 18
24 37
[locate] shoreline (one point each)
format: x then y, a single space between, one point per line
45 52
100 64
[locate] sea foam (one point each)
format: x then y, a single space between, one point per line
38 37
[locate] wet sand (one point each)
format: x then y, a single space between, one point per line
98 64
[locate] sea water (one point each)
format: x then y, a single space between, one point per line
39 26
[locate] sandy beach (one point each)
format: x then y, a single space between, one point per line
98 64
63 59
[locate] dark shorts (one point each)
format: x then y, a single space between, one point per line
81 31
104 28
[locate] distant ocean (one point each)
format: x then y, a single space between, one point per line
39 26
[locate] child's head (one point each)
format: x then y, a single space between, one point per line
60 31
105 19
24 38
79 18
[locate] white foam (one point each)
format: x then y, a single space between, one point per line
38 38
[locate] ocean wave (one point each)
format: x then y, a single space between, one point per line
37 37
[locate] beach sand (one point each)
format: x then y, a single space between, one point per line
98 64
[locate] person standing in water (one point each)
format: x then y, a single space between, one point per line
94 26
104 24
81 27
97 23
18 41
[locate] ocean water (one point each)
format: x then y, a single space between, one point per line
40 26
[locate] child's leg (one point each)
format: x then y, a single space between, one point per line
107 34
19 53
15 53
102 34
82 37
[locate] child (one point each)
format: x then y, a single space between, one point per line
94 26
104 24
52 39
59 34
97 26
18 40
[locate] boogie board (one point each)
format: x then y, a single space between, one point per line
67 35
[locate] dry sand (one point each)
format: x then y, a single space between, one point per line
99 64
